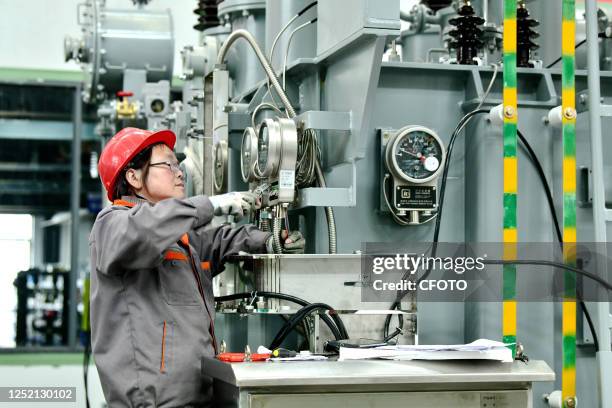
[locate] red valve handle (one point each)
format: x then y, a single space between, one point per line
124 94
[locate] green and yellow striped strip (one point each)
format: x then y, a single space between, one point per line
568 39
510 173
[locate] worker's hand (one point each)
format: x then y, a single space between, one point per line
294 243
235 204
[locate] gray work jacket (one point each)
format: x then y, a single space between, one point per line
151 315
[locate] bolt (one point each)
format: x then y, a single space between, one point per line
569 113
509 112
570 402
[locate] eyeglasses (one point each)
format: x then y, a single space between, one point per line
175 167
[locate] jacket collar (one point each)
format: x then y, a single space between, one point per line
129 201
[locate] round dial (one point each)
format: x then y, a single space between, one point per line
220 162
415 154
263 145
248 155
268 148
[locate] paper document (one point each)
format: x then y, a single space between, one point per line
481 349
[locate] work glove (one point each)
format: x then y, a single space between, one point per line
294 243
235 203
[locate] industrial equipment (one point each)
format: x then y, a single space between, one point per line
356 121
42 310
414 158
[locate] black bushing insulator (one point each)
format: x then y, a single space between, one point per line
207 14
467 36
436 5
525 35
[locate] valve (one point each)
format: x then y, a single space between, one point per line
125 108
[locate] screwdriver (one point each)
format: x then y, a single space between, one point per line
283 353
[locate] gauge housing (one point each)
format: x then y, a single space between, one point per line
413 158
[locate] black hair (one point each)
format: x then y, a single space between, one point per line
140 161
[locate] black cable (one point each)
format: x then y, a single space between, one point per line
308 7
559 59
436 235
338 330
561 265
600 35
540 170
300 315
549 197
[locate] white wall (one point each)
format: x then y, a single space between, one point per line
32 31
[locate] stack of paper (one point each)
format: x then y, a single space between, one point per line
481 349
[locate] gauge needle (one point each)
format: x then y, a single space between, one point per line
410 153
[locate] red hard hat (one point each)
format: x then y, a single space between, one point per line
122 148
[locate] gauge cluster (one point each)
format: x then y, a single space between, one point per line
269 155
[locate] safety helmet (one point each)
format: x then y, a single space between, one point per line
123 147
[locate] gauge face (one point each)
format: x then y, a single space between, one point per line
418 155
220 163
263 144
248 154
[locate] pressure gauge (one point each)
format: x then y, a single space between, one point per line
415 154
220 160
268 147
414 157
274 159
248 155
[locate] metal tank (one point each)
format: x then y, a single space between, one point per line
250 15
116 40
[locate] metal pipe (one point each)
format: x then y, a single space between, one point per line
290 111
75 194
262 59
276 232
604 355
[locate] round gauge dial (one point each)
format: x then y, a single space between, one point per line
268 148
263 144
248 155
220 164
415 154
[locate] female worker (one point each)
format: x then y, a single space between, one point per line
153 256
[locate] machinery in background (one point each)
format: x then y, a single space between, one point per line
127 58
42 309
